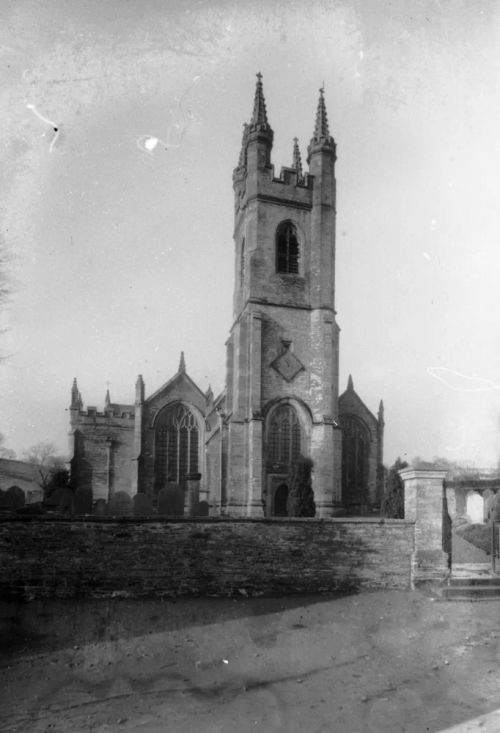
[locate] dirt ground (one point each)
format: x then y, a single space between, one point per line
377 662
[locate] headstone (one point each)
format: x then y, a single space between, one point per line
62 500
143 506
14 498
171 501
120 504
83 501
202 509
100 508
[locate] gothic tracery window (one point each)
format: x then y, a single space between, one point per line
176 444
287 249
284 438
355 452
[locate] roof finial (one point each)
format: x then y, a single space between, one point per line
107 399
182 363
297 160
139 390
350 383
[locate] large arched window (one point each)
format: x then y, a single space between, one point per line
287 248
355 453
176 445
284 439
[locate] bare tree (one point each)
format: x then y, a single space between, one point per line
48 462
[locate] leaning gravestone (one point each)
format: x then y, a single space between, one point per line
120 504
171 501
143 506
83 501
14 498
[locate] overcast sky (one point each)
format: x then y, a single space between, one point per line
120 223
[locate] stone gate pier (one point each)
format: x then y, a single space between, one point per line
424 497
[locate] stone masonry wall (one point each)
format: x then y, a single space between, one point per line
51 558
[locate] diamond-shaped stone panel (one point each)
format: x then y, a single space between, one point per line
287 365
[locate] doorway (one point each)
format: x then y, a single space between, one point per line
280 502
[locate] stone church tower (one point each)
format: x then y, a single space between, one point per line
233 454
282 354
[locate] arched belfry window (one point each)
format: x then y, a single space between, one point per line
287 248
176 445
284 439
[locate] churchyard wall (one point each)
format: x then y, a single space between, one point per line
113 557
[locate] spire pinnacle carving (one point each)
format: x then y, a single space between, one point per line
242 160
76 397
321 136
182 363
297 160
381 412
321 128
259 116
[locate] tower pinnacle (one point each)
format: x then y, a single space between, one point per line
259 116
76 398
321 139
297 160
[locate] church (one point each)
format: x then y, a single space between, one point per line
232 454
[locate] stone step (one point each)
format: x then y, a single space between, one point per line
471 589
492 580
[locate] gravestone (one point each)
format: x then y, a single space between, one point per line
201 510
171 501
83 501
100 508
143 506
61 500
120 504
14 498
